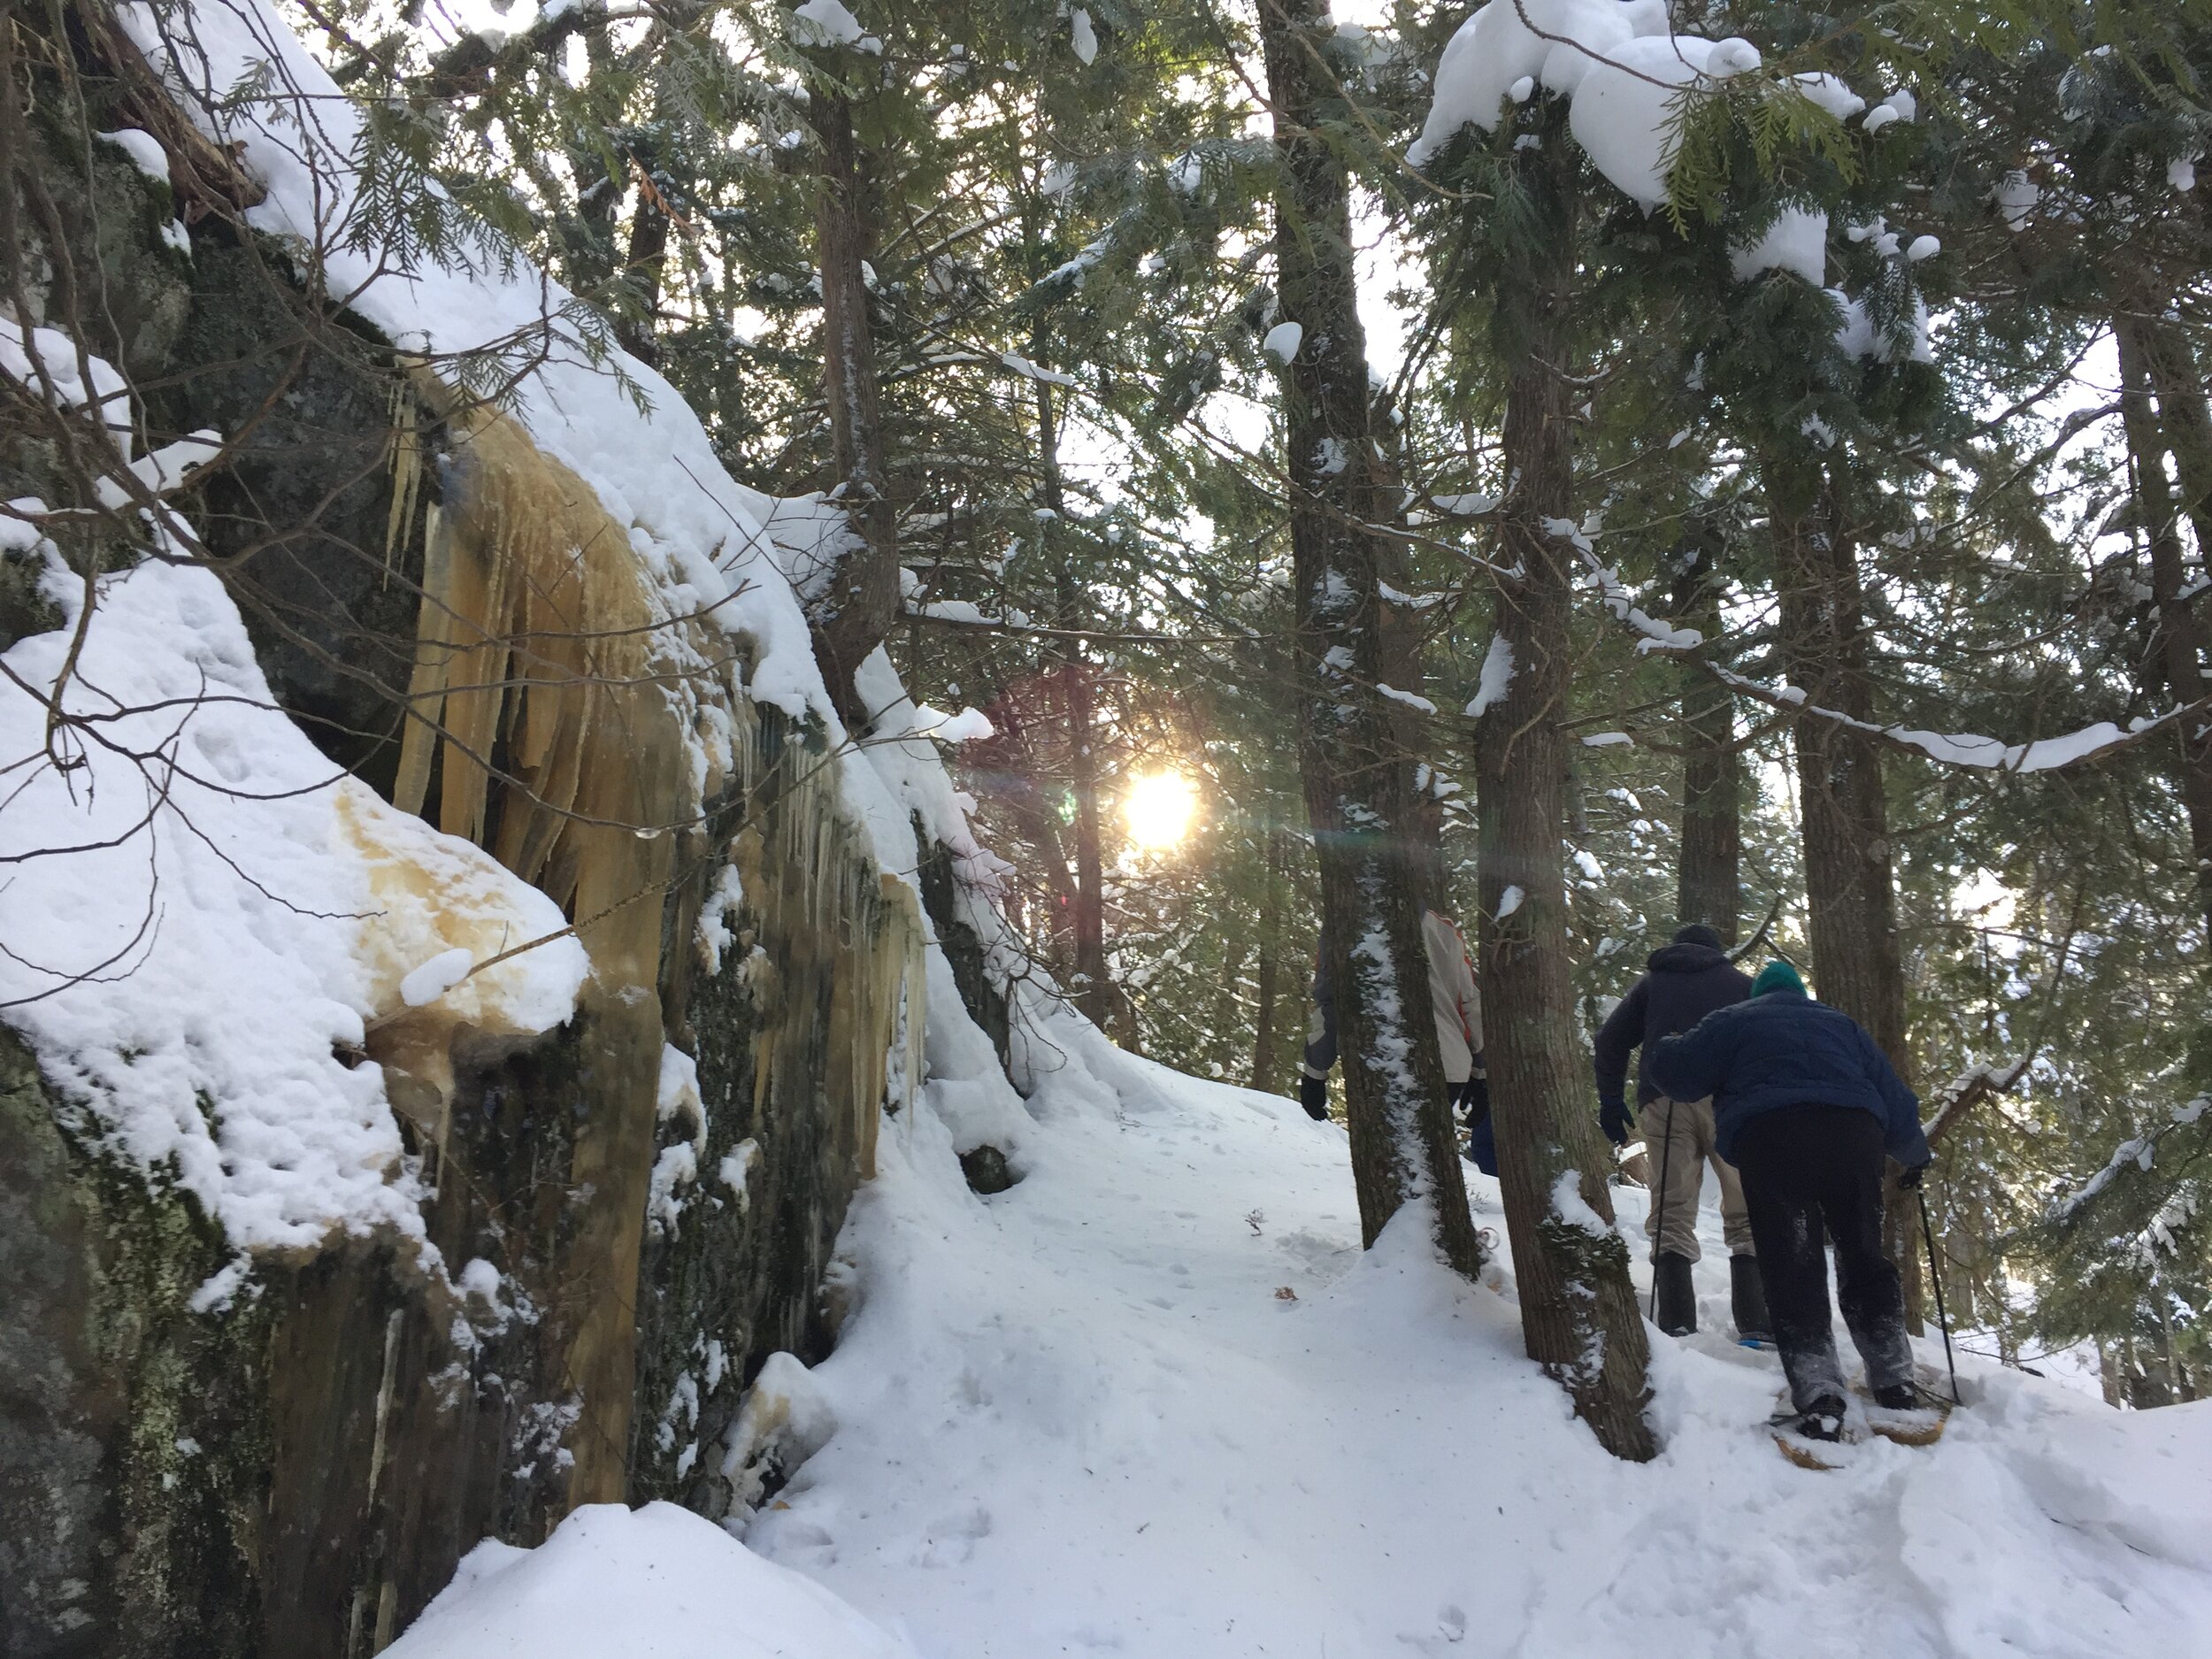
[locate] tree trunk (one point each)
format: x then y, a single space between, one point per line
1850 886
1357 778
2147 364
1221 1044
648 254
1709 876
1267 975
2169 363
852 612
1095 993
1094 986
1579 1311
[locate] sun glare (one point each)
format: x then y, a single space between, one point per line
1159 809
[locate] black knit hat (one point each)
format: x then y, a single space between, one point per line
1698 934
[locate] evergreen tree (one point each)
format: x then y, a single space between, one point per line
1358 777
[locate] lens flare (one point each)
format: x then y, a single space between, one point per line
1159 808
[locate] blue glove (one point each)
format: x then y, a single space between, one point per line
1614 1119
1909 1181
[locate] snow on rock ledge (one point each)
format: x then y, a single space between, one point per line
710 545
232 918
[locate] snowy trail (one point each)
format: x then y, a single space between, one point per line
1081 1416
1078 1416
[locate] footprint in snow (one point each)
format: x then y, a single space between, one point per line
952 1538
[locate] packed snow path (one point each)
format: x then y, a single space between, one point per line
1083 1415
1155 1401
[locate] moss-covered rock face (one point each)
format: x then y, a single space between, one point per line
131 1490
325 577
295 1472
789 1033
985 1002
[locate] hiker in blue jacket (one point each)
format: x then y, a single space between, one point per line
1805 1105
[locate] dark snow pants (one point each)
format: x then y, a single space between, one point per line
1812 1174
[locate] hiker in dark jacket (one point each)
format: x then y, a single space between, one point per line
1806 1105
1683 982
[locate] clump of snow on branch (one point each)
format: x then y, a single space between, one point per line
1497 674
1626 72
435 978
1568 1203
1797 243
2137 1150
824 23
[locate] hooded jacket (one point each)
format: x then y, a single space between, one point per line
1785 1050
1681 984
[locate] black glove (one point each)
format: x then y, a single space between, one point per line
1474 1101
1910 1181
1614 1119
1313 1095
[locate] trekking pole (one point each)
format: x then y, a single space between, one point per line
1943 1322
1659 1228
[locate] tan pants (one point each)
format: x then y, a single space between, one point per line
1678 1140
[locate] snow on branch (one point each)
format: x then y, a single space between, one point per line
1969 751
2139 1150
1972 751
1657 635
1969 1089
1023 366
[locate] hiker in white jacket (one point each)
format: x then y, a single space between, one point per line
1458 1007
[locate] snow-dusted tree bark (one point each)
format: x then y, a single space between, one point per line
853 611
2153 361
645 264
2169 364
1358 779
1850 882
1851 891
1579 1310
1709 874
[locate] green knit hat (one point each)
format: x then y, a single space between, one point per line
1778 975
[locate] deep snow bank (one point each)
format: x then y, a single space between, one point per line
612 1583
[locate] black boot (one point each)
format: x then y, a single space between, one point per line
1823 1420
1747 1297
1676 1296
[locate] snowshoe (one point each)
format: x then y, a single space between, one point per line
1815 1438
1910 1414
